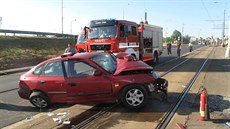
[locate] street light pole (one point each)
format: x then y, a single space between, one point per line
62 16
124 11
71 25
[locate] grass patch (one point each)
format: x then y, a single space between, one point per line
26 51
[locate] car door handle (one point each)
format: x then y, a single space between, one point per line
42 82
72 84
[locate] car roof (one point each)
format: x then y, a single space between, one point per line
85 55
75 56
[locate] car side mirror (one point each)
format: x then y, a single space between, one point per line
97 73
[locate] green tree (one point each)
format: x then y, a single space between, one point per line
176 35
186 39
168 39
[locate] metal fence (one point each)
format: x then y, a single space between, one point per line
14 32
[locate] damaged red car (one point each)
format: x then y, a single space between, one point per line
90 77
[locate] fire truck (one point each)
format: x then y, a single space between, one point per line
143 41
81 43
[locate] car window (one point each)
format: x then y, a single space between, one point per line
106 61
77 68
53 69
38 70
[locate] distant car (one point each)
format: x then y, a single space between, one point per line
90 77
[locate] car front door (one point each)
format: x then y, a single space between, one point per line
83 85
52 82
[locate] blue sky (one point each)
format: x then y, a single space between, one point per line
196 17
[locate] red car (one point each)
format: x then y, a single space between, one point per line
90 77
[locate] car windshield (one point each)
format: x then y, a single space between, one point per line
102 32
106 61
81 39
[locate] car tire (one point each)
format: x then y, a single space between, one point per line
39 100
134 97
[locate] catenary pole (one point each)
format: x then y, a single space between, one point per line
223 29
227 53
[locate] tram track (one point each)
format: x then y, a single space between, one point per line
169 115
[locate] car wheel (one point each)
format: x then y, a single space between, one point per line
39 100
134 97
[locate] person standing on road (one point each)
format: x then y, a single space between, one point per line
190 47
169 45
70 49
178 49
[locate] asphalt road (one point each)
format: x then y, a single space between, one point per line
165 57
9 82
14 109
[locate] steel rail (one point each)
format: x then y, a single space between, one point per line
158 65
174 67
169 115
93 118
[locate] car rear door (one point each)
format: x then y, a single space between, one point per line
83 85
52 82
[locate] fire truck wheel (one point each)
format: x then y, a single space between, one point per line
134 56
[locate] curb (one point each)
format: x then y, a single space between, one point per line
16 70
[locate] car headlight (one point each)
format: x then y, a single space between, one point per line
151 87
155 75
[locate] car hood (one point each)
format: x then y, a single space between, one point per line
130 65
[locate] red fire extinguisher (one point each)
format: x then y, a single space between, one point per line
203 97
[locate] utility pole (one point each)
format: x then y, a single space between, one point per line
0 22
223 30
227 53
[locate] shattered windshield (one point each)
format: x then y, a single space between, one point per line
102 32
106 61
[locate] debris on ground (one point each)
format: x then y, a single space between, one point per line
63 113
62 118
227 124
50 114
29 118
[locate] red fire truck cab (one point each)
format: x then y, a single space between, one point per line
143 41
81 43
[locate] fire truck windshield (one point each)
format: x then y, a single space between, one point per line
81 39
102 32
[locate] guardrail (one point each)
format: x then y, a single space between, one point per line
35 33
